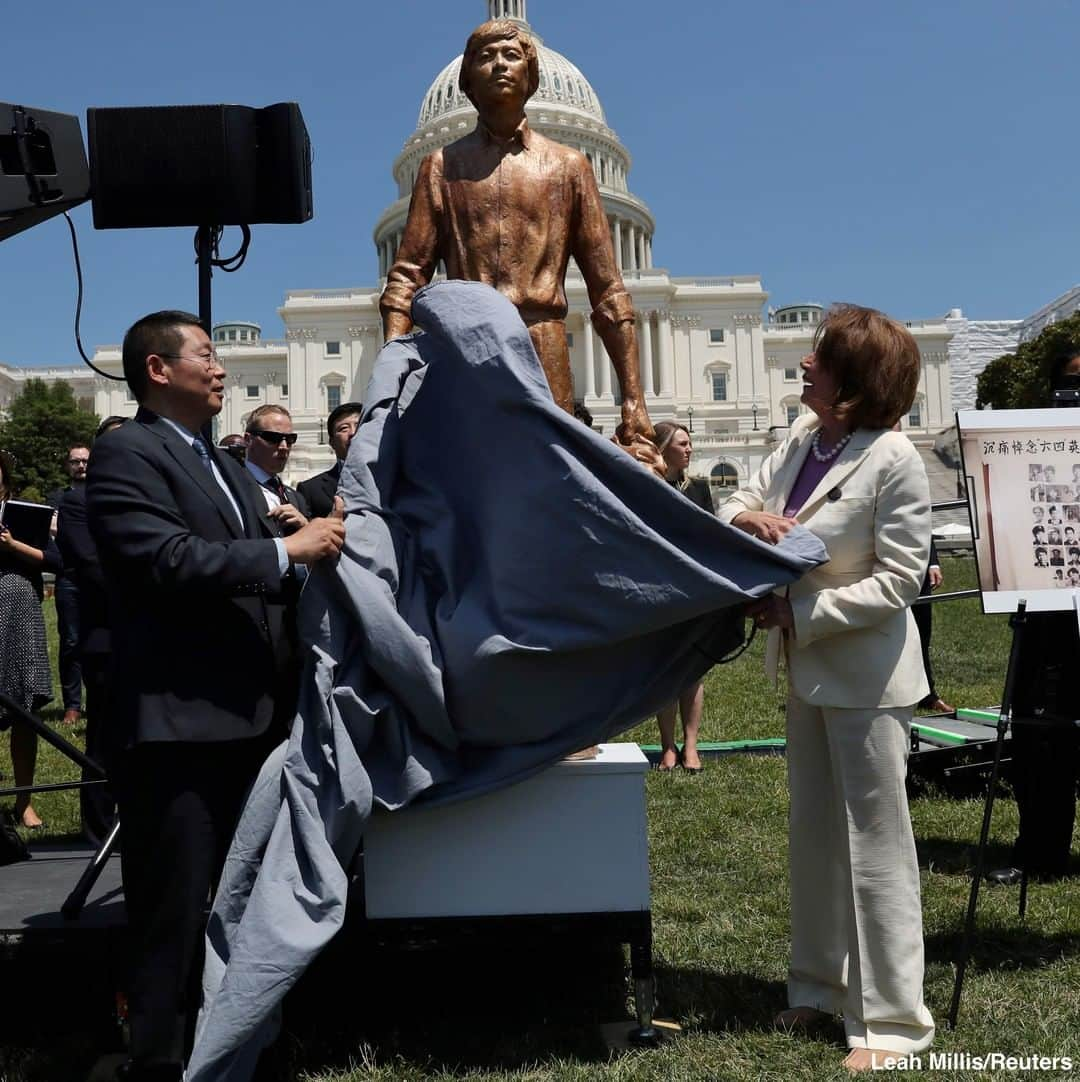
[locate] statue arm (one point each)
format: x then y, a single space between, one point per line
417 256
613 310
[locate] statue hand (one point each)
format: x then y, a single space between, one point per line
644 451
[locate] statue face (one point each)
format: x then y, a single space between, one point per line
499 74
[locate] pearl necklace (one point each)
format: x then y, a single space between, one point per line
828 456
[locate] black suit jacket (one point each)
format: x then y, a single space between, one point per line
292 496
319 491
81 558
196 603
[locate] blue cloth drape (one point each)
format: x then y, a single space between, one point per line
513 587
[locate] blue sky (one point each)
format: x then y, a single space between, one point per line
914 156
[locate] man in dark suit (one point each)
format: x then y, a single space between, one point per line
97 804
268 442
341 426
66 595
198 621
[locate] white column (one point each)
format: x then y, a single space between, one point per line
648 252
667 368
605 372
631 246
744 363
618 245
590 359
296 374
645 348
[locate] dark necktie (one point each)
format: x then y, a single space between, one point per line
277 488
198 445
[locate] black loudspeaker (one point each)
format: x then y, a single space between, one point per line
42 166
199 165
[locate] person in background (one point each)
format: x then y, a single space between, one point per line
854 677
236 445
924 621
66 595
97 803
24 660
341 426
673 442
269 439
583 414
1045 739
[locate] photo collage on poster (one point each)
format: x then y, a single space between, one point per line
1021 473
1054 510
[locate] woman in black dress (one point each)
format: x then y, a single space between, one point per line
673 442
24 659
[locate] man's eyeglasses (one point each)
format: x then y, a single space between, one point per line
209 359
274 438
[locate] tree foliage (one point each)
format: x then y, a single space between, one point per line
1021 380
44 420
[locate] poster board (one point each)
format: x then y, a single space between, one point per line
1022 469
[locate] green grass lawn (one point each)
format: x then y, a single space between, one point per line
719 896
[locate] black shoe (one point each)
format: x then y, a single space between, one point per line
1004 877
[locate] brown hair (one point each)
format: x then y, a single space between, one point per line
260 412
6 464
498 30
665 433
875 362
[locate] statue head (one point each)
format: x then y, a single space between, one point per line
498 30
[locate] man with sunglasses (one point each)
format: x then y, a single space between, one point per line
269 439
202 660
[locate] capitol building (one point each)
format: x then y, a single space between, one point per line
714 353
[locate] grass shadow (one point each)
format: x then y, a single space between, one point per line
948 856
996 947
711 1001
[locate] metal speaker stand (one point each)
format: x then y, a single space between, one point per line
73 904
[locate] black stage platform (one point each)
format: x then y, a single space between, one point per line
32 891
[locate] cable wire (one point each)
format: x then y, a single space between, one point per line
233 262
78 304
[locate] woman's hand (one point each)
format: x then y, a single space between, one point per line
763 525
771 611
10 546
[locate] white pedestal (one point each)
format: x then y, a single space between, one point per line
569 840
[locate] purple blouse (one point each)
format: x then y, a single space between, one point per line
811 473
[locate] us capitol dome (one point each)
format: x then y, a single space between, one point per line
564 108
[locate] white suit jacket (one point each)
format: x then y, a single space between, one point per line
854 642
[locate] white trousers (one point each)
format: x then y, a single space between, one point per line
856 911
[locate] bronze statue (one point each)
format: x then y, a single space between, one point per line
506 206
